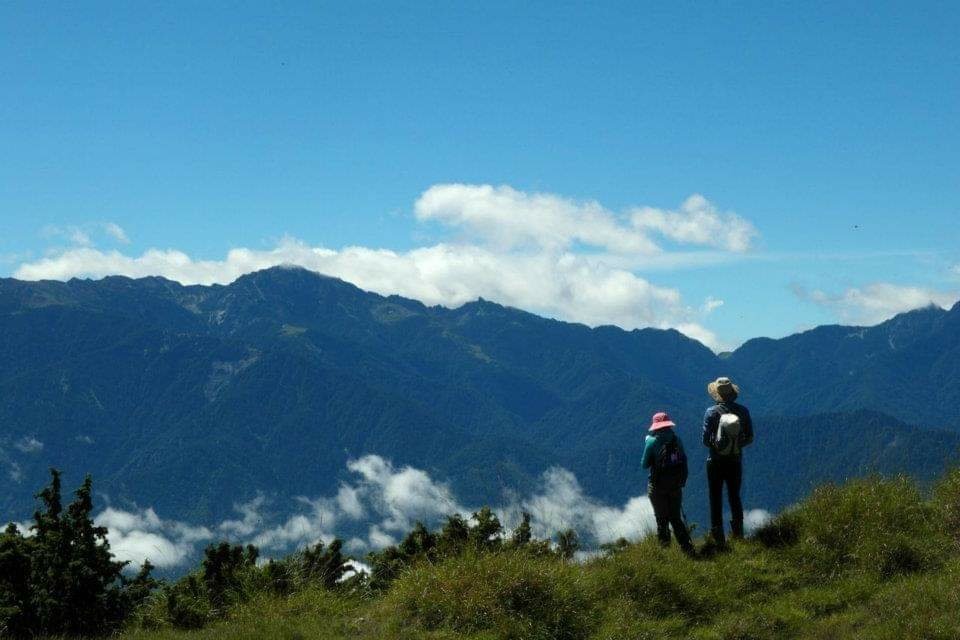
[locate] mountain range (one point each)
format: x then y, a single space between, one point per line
193 398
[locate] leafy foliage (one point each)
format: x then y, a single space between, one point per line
871 525
872 558
63 579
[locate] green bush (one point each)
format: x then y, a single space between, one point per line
657 582
946 500
188 605
870 525
64 579
512 594
781 531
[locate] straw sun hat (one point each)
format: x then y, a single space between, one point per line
723 390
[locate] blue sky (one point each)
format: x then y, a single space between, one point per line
826 134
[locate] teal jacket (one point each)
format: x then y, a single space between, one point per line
654 443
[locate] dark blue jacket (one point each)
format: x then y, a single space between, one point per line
711 419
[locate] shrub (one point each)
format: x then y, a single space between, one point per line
226 570
780 531
510 594
188 605
946 499
64 579
657 582
872 525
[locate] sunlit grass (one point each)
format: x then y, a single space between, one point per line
870 559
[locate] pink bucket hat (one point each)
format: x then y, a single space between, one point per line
661 421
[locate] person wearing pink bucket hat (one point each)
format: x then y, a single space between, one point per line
663 455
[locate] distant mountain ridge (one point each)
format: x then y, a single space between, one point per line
191 398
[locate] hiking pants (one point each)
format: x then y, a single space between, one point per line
668 510
725 471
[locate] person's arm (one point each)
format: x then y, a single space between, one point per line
648 452
746 434
710 428
686 468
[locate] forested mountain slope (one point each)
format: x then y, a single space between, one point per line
190 399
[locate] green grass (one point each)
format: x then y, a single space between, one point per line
871 559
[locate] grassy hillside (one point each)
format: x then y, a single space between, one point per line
870 559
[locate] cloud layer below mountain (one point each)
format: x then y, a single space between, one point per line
374 510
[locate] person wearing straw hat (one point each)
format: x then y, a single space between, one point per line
727 429
663 454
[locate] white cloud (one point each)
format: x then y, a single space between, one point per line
29 444
698 222
755 518
136 536
71 233
405 495
711 304
392 499
78 236
877 302
24 528
386 501
349 502
251 518
355 567
15 473
568 286
298 531
511 218
562 504
378 539
82 235
520 249
315 523
703 335
116 232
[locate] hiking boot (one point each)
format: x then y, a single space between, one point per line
737 529
718 537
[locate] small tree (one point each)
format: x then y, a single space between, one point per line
325 565
419 542
17 614
568 543
615 547
224 568
385 566
453 537
522 534
486 533
64 580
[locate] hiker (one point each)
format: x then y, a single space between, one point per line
727 429
663 454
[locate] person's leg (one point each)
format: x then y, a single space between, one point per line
734 477
661 512
715 482
677 523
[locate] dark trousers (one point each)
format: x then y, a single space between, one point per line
725 471
668 510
